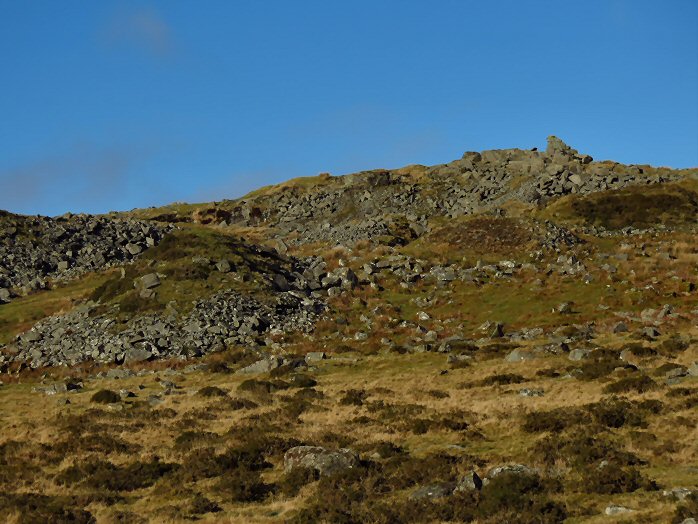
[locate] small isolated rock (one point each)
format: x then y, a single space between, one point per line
510 469
315 356
526 392
677 372
168 384
444 274
470 482
458 359
431 336
519 355
434 491
423 316
323 461
119 373
677 493
497 331
651 332
223 266
154 400
620 327
58 387
579 354
150 280
693 369
262 366
614 509
564 308
147 293
5 295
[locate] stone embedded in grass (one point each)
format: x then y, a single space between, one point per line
262 366
565 308
677 493
150 280
469 482
651 332
434 491
326 462
510 469
117 373
526 392
519 355
497 331
614 509
223 266
579 354
5 295
315 356
458 361
620 327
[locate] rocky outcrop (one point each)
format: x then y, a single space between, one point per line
225 319
365 205
36 250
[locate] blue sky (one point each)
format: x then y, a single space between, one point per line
114 105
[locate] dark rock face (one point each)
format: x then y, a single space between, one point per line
36 249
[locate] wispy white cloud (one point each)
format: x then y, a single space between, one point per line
144 28
85 173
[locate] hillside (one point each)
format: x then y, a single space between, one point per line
508 337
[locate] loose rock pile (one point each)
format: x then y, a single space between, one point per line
225 319
36 249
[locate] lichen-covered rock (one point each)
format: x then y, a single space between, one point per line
326 462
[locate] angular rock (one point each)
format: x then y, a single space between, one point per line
133 249
519 355
434 491
526 392
677 493
137 355
223 266
513 469
150 280
579 354
325 462
615 509
469 482
315 356
262 366
620 327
